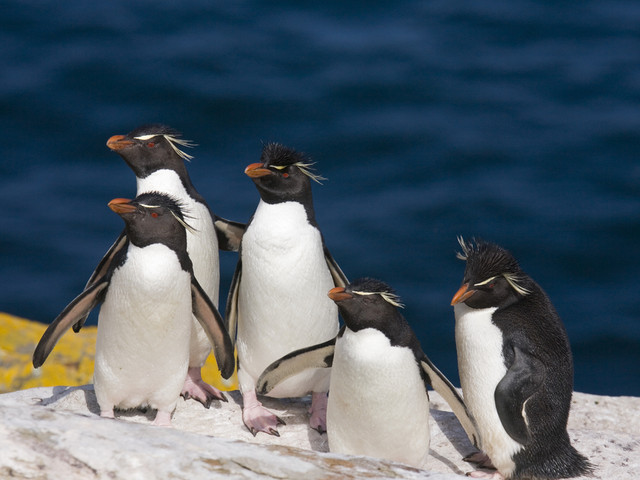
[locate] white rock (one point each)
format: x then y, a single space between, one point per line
57 433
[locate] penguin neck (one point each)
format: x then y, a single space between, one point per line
165 180
392 325
305 198
177 243
286 205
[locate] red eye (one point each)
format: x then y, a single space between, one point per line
285 175
154 215
151 144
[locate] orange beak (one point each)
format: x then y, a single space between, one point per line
338 294
256 170
118 142
121 205
462 295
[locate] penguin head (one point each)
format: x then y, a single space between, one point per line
152 218
367 303
150 148
492 277
282 174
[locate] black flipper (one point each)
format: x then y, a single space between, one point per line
101 270
316 356
339 278
229 233
231 313
445 388
521 381
78 308
209 317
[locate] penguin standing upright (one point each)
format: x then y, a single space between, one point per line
278 295
516 368
153 153
378 401
148 295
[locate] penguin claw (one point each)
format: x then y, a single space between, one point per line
320 429
485 475
318 422
258 419
270 431
196 388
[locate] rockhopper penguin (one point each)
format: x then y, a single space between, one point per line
278 295
148 295
378 401
154 154
516 368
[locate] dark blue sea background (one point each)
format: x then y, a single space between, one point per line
514 121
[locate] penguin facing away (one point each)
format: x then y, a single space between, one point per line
154 154
277 301
148 295
516 368
378 400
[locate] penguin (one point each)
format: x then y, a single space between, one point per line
515 367
277 301
154 154
378 400
148 295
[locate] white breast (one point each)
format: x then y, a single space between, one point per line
378 405
202 247
142 347
481 367
283 303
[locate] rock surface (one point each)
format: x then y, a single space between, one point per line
55 432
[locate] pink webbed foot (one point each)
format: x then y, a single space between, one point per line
486 475
318 410
479 458
195 387
483 461
257 418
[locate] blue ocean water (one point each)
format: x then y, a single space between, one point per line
510 120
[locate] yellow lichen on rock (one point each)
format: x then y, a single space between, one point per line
70 363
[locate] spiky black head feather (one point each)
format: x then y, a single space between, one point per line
371 286
278 155
374 304
154 129
161 200
492 277
485 259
